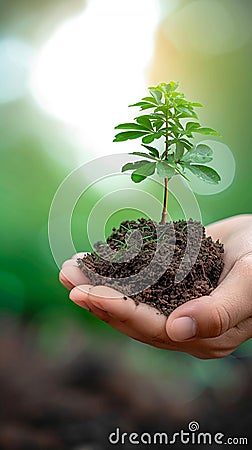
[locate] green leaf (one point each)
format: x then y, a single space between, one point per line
131 126
172 86
144 171
149 99
156 94
179 150
158 124
158 116
192 126
185 112
174 121
148 139
128 135
164 170
196 104
169 158
153 150
180 101
204 130
137 178
205 173
160 108
187 144
143 154
133 165
147 169
140 104
158 134
181 172
184 109
147 106
202 153
145 122
164 99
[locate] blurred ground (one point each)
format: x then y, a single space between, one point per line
74 403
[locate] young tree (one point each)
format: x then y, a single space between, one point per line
166 110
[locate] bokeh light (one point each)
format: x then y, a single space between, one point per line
16 57
96 63
210 27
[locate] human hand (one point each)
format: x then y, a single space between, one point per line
207 327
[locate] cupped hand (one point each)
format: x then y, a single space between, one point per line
207 327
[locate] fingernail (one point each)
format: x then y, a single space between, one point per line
182 329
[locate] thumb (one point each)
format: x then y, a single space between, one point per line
211 316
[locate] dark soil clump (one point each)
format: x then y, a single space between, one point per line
161 265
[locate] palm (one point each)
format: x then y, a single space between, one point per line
144 323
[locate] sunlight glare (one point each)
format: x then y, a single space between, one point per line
94 66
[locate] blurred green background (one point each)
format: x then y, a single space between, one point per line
68 70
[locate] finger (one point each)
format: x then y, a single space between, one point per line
65 282
217 231
79 255
142 318
221 346
234 232
244 330
71 274
201 348
69 262
213 315
117 324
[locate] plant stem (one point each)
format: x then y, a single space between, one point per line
165 203
166 131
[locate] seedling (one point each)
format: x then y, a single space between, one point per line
173 121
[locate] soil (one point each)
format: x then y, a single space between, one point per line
163 265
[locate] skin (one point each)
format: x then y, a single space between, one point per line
207 327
